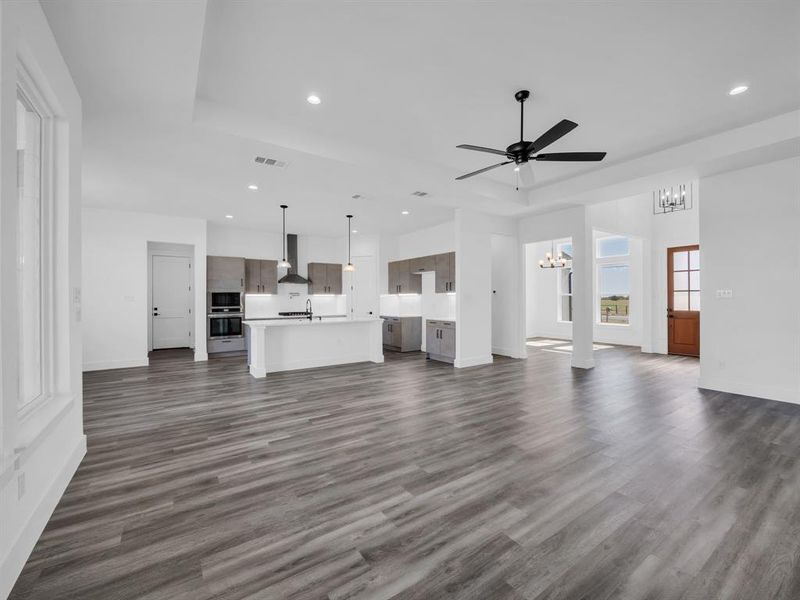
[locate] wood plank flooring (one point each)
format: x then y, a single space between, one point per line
414 480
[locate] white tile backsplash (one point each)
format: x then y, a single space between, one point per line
291 297
428 305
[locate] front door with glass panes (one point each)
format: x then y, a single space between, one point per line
683 301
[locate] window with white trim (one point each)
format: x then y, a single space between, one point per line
32 243
613 280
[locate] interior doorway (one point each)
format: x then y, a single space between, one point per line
170 296
683 300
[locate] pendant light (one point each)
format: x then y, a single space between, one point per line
349 266
283 263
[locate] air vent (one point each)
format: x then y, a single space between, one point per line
271 162
356 196
418 193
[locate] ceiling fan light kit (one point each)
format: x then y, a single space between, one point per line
523 151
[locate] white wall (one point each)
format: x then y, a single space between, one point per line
750 244
115 283
40 448
473 289
506 294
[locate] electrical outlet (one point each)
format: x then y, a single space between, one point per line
725 294
20 486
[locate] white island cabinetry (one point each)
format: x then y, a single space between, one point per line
285 345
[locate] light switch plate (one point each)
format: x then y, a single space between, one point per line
725 294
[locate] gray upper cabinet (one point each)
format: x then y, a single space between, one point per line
446 272
261 276
423 264
402 280
324 278
405 278
225 273
334 278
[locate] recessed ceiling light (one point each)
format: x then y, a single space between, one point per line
228 216
355 230
516 168
739 89
405 212
252 186
312 99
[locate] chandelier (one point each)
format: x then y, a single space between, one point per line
551 261
667 200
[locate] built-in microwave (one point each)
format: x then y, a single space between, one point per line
224 302
225 326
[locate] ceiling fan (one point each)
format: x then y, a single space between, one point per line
521 152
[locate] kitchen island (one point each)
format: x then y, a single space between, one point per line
288 344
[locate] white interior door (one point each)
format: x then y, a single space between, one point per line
172 302
364 292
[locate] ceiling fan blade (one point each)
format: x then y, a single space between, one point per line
556 132
482 149
571 156
479 171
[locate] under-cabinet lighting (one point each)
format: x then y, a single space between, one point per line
252 186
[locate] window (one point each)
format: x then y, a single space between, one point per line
564 285
613 280
612 246
686 280
32 239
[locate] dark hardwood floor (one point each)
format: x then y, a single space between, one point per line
519 480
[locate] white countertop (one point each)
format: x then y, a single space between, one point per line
304 322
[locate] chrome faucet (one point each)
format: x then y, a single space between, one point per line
308 309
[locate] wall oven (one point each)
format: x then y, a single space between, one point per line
225 302
223 326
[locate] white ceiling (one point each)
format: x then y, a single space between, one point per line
179 97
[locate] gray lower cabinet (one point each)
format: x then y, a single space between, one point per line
402 334
260 276
324 278
225 273
440 340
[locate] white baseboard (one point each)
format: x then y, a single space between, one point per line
756 390
582 363
463 363
200 355
510 352
116 364
22 547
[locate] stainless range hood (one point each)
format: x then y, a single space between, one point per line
291 255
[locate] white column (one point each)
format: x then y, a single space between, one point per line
473 289
582 291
